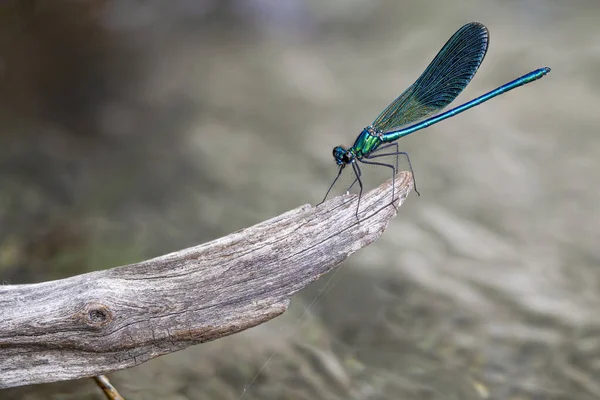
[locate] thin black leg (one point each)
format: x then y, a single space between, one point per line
353 183
358 173
397 153
386 146
331 186
393 176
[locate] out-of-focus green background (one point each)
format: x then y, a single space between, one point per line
129 129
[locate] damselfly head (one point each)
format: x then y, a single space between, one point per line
342 156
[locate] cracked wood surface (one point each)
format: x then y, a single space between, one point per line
108 320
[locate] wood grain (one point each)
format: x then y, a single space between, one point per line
108 320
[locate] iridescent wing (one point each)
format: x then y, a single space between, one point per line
448 74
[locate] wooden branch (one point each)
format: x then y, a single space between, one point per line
104 321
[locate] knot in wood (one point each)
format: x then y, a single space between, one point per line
96 315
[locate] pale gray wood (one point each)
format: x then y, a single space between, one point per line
103 321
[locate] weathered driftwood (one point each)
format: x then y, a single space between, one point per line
103 321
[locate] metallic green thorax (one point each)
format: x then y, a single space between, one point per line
368 140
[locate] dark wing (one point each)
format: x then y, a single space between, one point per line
448 74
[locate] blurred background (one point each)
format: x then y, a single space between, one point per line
129 129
